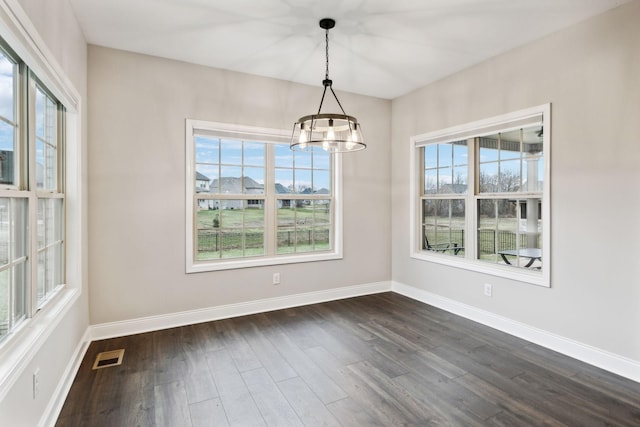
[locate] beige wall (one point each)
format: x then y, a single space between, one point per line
137 110
55 23
591 75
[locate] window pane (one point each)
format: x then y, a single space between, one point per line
284 181
488 177
431 156
302 159
533 172
5 237
283 156
5 302
509 176
445 180
206 176
512 161
510 145
431 181
460 180
253 180
46 141
20 290
231 152
445 155
8 122
50 269
321 182
511 232
446 170
253 154
443 223
302 181
207 149
230 228
304 226
321 159
8 70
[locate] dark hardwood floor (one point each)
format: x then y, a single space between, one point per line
376 360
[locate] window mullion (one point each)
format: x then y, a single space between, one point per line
471 221
29 110
270 202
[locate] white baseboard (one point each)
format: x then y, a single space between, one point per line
611 362
154 323
52 411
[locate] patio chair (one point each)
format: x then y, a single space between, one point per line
442 247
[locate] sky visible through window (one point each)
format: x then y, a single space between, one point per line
7 72
295 172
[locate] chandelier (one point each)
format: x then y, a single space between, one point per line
337 133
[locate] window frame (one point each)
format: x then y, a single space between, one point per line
479 128
25 187
269 136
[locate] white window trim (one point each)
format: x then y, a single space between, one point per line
197 267
18 349
480 128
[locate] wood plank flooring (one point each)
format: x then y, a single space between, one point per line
378 360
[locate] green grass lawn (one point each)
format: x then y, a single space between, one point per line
233 233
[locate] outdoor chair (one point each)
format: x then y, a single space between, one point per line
442 247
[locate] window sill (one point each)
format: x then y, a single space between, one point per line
18 349
231 264
539 278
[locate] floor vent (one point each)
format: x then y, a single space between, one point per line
106 359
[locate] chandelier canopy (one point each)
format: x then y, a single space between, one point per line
334 132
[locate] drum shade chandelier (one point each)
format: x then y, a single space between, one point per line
337 133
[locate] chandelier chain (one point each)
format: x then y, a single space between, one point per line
326 49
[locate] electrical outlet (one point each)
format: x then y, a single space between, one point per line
36 382
488 289
276 278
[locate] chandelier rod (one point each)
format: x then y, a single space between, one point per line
327 82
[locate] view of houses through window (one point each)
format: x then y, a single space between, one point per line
258 198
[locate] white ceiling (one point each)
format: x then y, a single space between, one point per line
383 48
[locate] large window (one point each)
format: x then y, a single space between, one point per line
481 196
252 201
31 193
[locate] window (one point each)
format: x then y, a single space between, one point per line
481 196
252 201
31 193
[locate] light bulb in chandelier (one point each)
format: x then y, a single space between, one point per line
303 139
331 134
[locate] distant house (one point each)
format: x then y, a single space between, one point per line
245 185
236 185
202 183
281 189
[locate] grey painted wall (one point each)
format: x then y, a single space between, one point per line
137 110
591 75
56 24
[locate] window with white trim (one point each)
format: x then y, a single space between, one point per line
31 193
252 201
481 196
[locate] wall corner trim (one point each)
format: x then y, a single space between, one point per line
608 361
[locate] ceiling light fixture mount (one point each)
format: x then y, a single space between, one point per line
333 132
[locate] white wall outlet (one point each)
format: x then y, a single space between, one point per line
276 278
36 382
488 289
